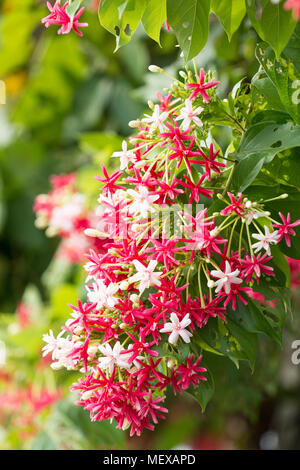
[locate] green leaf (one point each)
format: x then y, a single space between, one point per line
230 13
284 77
204 391
247 170
266 87
292 50
251 318
259 145
272 22
154 16
190 24
228 339
246 343
121 18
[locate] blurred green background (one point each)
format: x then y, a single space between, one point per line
68 104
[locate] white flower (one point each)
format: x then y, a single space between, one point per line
145 275
255 215
51 341
142 201
126 156
264 240
225 279
156 119
189 115
178 328
113 357
61 349
103 295
62 217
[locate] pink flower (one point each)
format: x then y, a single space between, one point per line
196 189
236 205
256 264
295 6
59 16
201 87
286 228
210 162
189 373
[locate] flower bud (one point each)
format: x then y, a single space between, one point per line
134 124
92 350
41 222
126 424
51 232
155 69
210 283
170 363
124 285
56 366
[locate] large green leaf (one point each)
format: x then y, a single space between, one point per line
251 318
154 16
230 13
259 145
266 88
204 391
228 339
284 77
292 50
190 24
272 22
121 18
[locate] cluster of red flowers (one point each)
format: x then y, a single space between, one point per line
64 213
169 264
23 406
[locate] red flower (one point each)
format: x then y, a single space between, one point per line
236 205
59 16
109 181
195 189
201 87
286 228
163 251
209 162
189 373
255 264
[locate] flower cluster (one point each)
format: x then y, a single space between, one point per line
23 406
170 263
63 212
